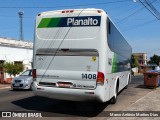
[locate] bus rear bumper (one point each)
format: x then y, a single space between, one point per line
67 93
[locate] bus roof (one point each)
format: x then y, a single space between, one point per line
72 11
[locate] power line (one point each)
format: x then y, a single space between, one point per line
140 25
58 6
103 3
129 15
148 5
125 11
135 12
61 42
13 16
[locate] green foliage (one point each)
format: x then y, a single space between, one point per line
155 59
134 60
13 69
1 65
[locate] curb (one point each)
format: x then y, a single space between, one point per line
4 87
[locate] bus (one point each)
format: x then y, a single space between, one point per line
79 55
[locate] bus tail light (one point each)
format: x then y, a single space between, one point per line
67 11
99 11
100 78
34 74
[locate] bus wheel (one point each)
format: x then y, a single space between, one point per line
114 99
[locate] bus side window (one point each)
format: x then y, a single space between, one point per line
109 26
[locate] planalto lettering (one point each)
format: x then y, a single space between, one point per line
82 22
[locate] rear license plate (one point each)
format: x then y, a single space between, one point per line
64 85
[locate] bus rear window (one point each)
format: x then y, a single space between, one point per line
67 33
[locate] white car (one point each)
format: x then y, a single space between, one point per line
24 81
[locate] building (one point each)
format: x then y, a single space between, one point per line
15 51
142 58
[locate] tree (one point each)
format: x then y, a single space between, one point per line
13 69
155 59
134 61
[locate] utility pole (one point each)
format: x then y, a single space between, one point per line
20 13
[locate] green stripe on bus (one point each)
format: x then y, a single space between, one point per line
49 22
114 64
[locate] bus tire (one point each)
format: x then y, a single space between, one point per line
114 99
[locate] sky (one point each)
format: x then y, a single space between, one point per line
138 25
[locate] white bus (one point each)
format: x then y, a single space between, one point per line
79 55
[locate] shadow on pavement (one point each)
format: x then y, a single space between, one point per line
20 90
144 87
59 108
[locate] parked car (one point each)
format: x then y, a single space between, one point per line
23 81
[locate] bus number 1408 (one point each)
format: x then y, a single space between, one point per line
89 76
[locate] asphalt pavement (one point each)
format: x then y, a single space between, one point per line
144 108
